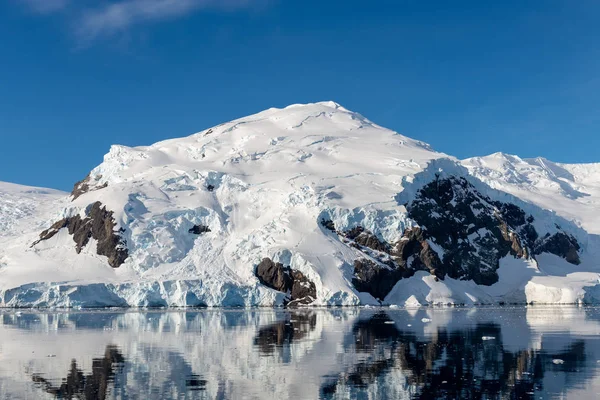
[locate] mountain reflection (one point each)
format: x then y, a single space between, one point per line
502 353
81 386
465 364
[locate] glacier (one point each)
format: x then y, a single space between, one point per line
261 187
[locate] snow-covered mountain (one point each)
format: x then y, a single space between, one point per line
310 204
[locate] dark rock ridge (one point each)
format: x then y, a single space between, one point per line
87 185
98 224
475 232
300 289
462 234
199 229
560 244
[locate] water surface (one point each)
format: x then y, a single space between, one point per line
446 353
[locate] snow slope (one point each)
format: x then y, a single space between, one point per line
572 190
261 185
21 207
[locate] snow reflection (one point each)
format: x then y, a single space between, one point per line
548 352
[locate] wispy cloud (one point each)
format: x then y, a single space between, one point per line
101 18
118 16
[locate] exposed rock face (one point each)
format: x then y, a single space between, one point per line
475 232
377 275
328 224
365 238
463 234
284 279
87 184
199 229
376 278
560 244
412 251
98 224
274 275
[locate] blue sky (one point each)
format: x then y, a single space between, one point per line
468 77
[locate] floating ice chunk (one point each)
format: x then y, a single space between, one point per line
389 322
488 338
426 320
558 361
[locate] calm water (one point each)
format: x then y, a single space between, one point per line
482 353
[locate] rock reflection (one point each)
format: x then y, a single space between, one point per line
81 386
295 326
466 364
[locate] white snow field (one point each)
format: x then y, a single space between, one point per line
262 184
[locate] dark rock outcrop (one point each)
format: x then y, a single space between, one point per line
87 185
462 234
375 278
199 229
300 289
365 238
274 275
475 232
98 224
560 244
414 252
328 224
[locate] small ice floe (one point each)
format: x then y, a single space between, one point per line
18 313
409 325
443 382
488 337
558 361
426 320
389 322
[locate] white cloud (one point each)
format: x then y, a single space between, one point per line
118 16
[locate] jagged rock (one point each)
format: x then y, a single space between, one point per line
413 249
560 244
86 185
328 224
284 279
274 275
98 224
365 238
376 279
199 229
474 231
304 290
